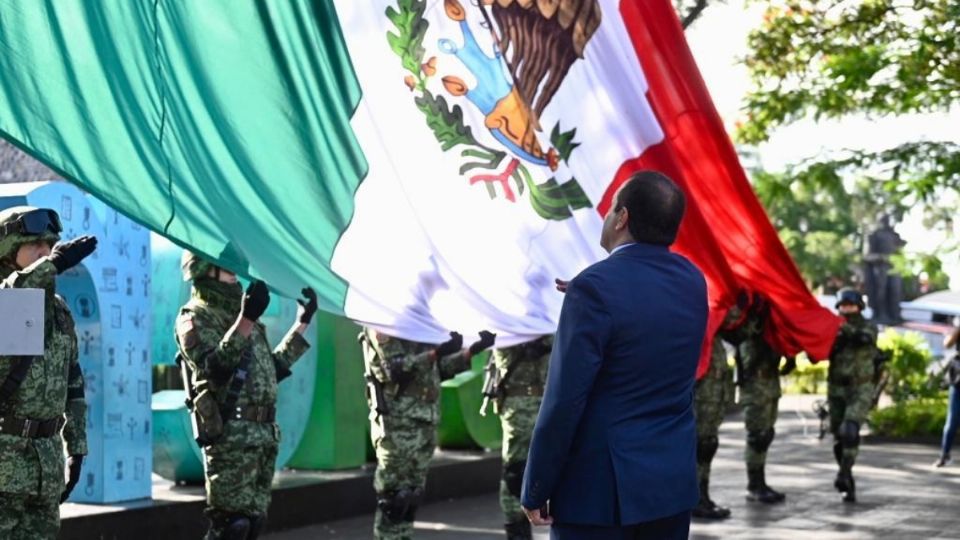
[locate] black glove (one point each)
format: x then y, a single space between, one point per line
452 345
66 255
486 341
789 366
308 306
74 463
255 301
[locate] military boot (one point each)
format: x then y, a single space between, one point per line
758 490
519 530
845 483
706 508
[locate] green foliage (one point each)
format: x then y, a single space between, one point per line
808 378
829 59
817 221
909 366
912 267
826 59
407 43
922 417
563 141
824 216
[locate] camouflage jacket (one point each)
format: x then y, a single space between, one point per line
851 370
719 368
409 374
213 353
523 368
757 357
53 387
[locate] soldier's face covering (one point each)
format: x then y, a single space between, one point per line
849 309
32 252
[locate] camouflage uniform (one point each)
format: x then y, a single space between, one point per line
759 378
710 405
523 372
850 393
239 466
405 437
32 469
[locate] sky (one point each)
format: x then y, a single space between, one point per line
718 40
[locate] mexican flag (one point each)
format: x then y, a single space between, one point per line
426 166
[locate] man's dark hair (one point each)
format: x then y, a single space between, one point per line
655 207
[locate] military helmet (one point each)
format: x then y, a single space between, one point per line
24 224
194 266
850 296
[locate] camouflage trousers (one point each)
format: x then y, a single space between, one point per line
25 517
709 406
760 397
518 414
404 447
238 478
839 411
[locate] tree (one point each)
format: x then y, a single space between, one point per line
840 58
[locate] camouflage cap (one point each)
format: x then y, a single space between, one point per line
194 266
10 241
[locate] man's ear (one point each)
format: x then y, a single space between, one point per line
623 219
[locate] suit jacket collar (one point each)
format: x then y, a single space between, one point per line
639 249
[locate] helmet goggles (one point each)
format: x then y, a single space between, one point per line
34 223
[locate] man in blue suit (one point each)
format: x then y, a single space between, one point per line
613 454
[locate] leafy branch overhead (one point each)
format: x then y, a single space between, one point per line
824 59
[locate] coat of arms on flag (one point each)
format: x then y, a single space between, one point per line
533 47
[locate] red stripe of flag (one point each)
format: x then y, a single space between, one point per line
726 231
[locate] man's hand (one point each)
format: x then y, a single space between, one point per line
539 518
255 301
74 463
452 345
561 284
486 341
308 305
66 255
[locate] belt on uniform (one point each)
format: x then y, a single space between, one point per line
30 428
535 390
255 413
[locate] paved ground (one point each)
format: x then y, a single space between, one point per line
901 496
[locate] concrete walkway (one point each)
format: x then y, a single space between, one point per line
901 496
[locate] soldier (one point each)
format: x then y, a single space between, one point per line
516 377
710 405
403 391
43 395
759 380
850 386
233 378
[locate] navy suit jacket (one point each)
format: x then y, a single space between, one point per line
615 441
